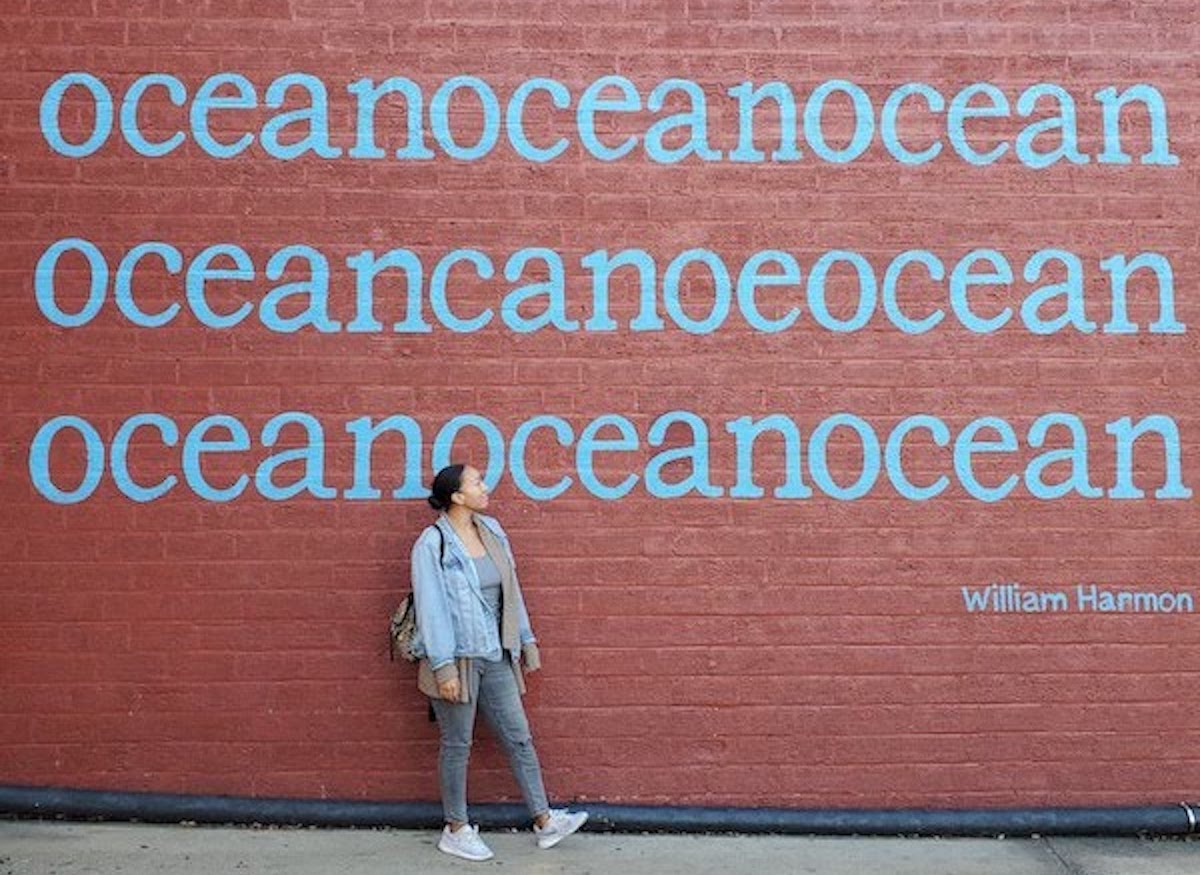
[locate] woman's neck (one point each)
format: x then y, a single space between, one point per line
460 517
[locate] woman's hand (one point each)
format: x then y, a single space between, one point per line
449 690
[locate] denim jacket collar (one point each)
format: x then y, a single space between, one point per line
455 544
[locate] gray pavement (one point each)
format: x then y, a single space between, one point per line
56 848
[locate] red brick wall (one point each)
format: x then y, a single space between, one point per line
697 650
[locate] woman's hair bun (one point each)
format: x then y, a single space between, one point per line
445 484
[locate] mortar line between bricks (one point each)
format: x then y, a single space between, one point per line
1069 866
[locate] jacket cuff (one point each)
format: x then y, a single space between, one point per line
447 672
531 657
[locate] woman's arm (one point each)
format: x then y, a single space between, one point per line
529 649
433 614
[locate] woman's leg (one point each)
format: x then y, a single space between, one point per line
456 723
500 702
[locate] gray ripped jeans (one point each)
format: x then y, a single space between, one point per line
493 690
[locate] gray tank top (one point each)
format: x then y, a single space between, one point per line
489 581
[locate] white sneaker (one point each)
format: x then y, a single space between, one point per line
560 825
465 843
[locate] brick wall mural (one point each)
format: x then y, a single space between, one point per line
833 367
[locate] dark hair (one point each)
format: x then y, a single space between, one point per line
445 484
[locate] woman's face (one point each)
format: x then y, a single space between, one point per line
472 494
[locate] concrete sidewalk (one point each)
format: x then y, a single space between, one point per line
53 848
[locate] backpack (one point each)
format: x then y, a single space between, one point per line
402 632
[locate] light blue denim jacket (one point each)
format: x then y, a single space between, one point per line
453 619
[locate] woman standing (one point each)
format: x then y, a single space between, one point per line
474 634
